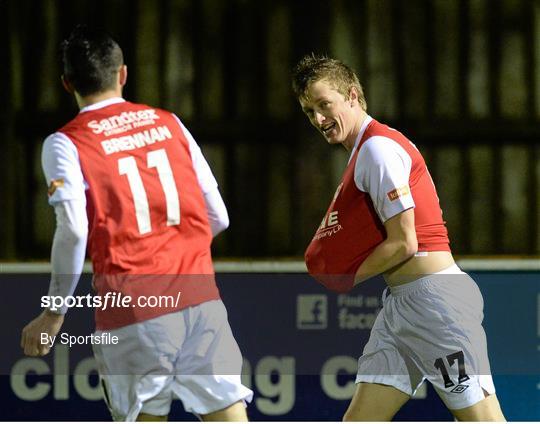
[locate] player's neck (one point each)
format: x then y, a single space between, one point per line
359 118
84 101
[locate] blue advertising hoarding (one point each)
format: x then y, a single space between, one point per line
300 343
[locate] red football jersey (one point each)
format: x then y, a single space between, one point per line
148 227
352 229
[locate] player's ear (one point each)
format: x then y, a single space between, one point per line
122 75
353 96
67 85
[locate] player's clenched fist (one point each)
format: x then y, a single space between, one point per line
46 323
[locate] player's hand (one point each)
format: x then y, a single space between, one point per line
45 323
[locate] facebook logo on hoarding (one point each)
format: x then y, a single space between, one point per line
311 312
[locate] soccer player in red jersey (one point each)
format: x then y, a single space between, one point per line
131 180
385 219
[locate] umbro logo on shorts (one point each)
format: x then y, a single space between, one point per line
460 388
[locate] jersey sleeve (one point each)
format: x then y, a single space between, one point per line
218 217
382 170
62 169
206 179
69 248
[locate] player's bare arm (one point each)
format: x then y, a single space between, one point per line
399 246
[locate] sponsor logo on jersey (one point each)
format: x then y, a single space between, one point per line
329 226
136 140
54 185
123 122
398 192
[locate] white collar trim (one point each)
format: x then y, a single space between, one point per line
360 134
102 104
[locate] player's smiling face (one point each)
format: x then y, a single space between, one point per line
331 113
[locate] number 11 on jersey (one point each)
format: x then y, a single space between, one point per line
155 159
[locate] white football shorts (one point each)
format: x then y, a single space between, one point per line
431 329
190 355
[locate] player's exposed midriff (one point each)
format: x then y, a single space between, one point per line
417 267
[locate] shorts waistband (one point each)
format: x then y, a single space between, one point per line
407 288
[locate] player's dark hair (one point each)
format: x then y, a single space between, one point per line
91 60
313 68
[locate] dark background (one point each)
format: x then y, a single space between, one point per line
461 78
